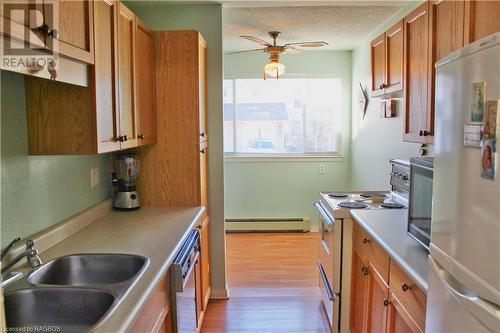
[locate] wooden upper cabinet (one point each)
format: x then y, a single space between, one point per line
22 19
416 72
126 77
70 28
447 27
145 87
394 58
378 65
482 18
202 72
387 61
104 76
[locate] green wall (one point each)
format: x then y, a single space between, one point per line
288 188
208 20
39 191
375 140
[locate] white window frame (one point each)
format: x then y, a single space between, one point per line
320 157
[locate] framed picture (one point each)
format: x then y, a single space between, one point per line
477 107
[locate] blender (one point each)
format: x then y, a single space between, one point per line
124 182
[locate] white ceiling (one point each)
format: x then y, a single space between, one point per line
343 25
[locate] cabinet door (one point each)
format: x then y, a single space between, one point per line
397 318
359 295
378 65
104 76
205 263
146 105
482 18
21 22
417 68
72 19
394 58
202 72
126 77
377 302
447 20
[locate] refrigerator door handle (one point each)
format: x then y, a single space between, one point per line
486 312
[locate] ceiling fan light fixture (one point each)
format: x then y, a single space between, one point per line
274 68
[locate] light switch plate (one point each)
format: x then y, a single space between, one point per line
94 177
321 168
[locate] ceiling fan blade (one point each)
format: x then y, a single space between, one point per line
291 50
308 44
236 52
257 40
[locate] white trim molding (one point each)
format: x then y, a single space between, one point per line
281 158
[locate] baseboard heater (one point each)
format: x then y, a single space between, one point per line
272 224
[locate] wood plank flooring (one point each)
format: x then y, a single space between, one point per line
273 286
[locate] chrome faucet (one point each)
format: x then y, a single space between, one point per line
30 253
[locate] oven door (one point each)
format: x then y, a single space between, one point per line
420 204
329 263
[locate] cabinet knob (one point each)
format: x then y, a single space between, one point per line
426 133
421 133
386 302
202 151
140 136
122 138
366 241
405 287
202 134
364 270
53 34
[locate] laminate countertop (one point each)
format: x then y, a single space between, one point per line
153 232
388 228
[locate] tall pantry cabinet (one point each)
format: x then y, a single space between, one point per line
175 170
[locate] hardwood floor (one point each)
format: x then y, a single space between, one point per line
273 286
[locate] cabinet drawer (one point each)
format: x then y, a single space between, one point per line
410 296
368 249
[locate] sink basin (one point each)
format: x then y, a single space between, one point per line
88 269
71 309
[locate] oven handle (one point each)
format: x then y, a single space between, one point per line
331 294
191 268
327 219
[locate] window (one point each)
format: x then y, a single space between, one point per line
291 116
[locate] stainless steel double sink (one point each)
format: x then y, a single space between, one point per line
71 293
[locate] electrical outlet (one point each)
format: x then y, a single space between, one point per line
321 168
94 177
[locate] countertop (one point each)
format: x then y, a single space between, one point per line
152 232
388 228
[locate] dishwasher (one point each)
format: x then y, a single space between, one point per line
185 285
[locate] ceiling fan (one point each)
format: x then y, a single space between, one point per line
274 67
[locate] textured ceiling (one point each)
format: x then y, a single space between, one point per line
341 26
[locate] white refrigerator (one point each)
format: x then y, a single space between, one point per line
464 261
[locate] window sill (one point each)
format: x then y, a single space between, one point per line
282 158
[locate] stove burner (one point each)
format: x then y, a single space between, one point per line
371 195
338 195
352 205
393 205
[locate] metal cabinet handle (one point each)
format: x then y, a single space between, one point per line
364 270
122 138
405 287
324 215
202 134
140 136
426 133
366 241
421 133
386 302
53 34
331 294
202 151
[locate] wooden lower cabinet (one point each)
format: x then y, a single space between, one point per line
156 316
205 263
379 302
